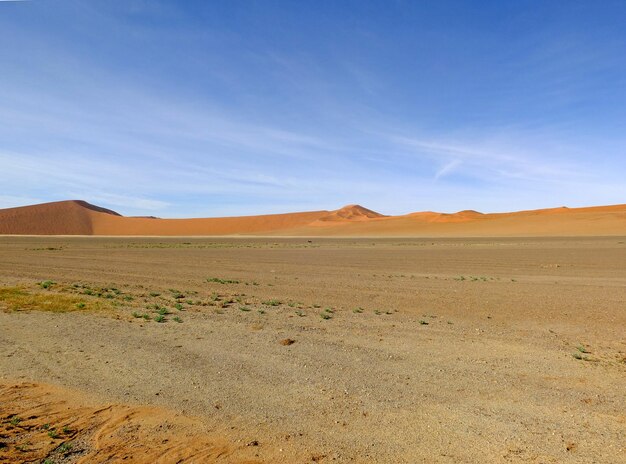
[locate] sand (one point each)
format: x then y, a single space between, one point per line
61 425
429 350
81 218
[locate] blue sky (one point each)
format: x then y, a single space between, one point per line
199 108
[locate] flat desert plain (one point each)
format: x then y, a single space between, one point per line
296 350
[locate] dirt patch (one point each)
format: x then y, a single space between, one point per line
41 423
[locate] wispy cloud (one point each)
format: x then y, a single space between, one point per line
496 158
12 201
132 202
447 168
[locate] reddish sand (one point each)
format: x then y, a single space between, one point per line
81 218
43 423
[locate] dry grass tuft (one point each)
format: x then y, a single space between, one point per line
19 299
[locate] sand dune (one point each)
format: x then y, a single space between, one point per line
59 218
81 218
75 217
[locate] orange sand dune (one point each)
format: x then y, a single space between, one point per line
590 221
59 218
81 218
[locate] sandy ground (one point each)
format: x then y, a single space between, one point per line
463 350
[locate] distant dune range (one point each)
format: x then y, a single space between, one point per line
76 217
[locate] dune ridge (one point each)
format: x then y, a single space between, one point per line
77 217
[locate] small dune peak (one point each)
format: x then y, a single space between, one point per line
358 210
352 213
469 212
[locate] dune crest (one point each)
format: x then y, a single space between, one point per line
95 208
76 217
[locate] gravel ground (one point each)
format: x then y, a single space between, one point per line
462 351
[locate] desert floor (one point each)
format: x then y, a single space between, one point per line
298 351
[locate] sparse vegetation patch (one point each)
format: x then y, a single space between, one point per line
19 299
222 281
